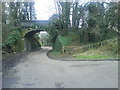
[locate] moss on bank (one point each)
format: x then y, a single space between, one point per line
68 40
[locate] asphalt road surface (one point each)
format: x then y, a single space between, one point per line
36 70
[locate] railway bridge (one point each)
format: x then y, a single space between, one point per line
30 28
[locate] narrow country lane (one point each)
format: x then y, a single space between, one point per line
36 70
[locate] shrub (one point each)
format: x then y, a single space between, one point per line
12 40
112 45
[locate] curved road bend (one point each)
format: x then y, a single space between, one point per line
36 70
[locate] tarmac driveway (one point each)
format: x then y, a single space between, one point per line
36 70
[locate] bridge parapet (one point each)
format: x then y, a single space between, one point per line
33 23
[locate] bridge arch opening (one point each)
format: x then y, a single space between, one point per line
44 38
35 39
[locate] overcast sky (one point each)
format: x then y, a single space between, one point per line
44 9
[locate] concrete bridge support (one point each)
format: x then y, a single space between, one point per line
30 43
27 44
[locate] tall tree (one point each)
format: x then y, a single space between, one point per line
64 14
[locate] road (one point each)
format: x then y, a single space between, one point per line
36 70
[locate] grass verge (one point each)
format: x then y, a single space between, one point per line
96 54
108 51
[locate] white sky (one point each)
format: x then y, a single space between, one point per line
44 9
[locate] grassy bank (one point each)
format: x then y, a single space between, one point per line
68 40
96 54
108 51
